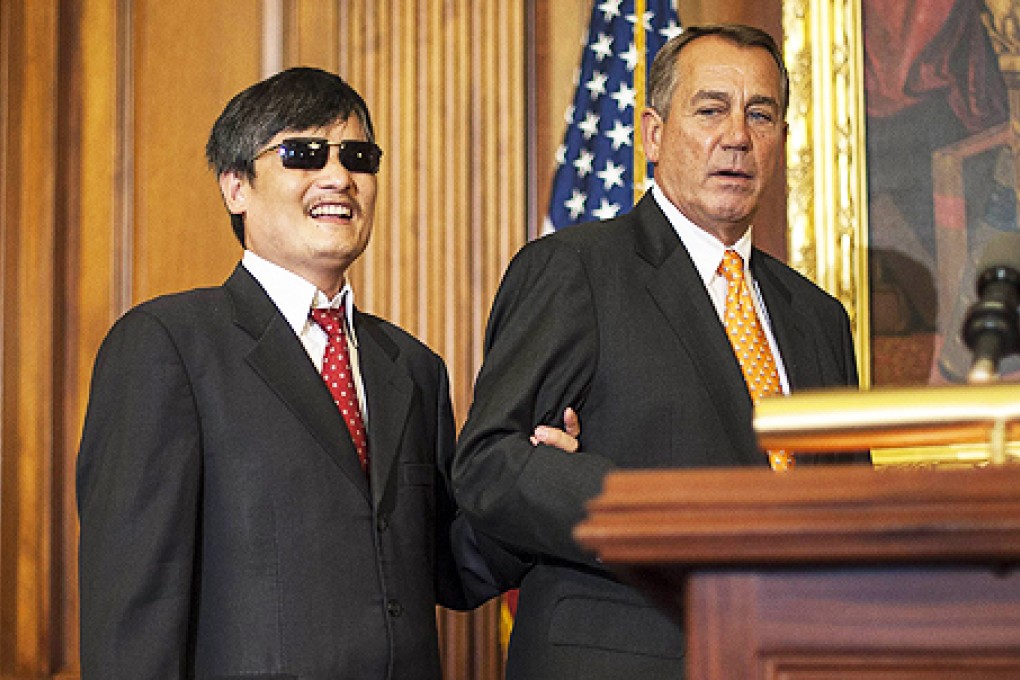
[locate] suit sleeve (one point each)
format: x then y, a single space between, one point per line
138 478
471 568
541 351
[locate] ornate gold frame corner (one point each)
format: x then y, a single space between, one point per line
827 179
826 164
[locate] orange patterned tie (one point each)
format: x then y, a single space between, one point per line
749 342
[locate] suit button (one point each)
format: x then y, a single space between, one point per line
394 608
382 523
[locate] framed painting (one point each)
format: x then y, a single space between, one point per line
900 170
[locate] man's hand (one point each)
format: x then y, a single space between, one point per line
565 439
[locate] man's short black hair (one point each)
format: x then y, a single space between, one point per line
296 99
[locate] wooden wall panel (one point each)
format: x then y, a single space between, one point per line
188 57
310 32
27 278
444 81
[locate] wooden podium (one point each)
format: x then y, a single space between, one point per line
825 573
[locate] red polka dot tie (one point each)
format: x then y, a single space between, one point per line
749 342
336 372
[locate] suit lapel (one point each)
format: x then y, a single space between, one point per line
680 295
787 324
388 393
281 361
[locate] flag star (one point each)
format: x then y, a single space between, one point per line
671 30
620 134
624 97
568 115
594 174
647 20
575 204
611 175
606 210
610 9
590 125
603 46
583 164
630 57
597 84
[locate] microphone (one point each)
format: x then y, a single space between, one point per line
992 326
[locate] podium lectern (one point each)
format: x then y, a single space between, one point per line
824 573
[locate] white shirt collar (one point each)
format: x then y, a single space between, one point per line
705 249
295 296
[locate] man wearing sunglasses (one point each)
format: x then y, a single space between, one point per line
240 517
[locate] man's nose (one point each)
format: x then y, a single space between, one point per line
334 173
736 135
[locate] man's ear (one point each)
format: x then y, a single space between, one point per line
651 133
236 190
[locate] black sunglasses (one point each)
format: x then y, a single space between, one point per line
311 153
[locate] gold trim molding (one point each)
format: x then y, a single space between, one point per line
826 168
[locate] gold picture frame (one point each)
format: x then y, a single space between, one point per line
827 174
826 170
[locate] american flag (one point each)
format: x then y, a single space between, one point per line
595 176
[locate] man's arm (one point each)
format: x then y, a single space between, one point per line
483 567
541 353
138 483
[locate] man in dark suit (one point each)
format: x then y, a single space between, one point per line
234 522
624 320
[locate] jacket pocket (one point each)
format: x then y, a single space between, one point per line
615 626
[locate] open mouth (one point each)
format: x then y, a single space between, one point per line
732 174
333 210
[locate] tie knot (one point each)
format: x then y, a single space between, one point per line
330 320
732 266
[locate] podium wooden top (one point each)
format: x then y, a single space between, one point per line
807 515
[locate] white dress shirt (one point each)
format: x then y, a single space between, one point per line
707 253
295 297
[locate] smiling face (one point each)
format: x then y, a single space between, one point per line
719 148
314 223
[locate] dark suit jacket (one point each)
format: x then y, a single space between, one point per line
227 530
613 319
